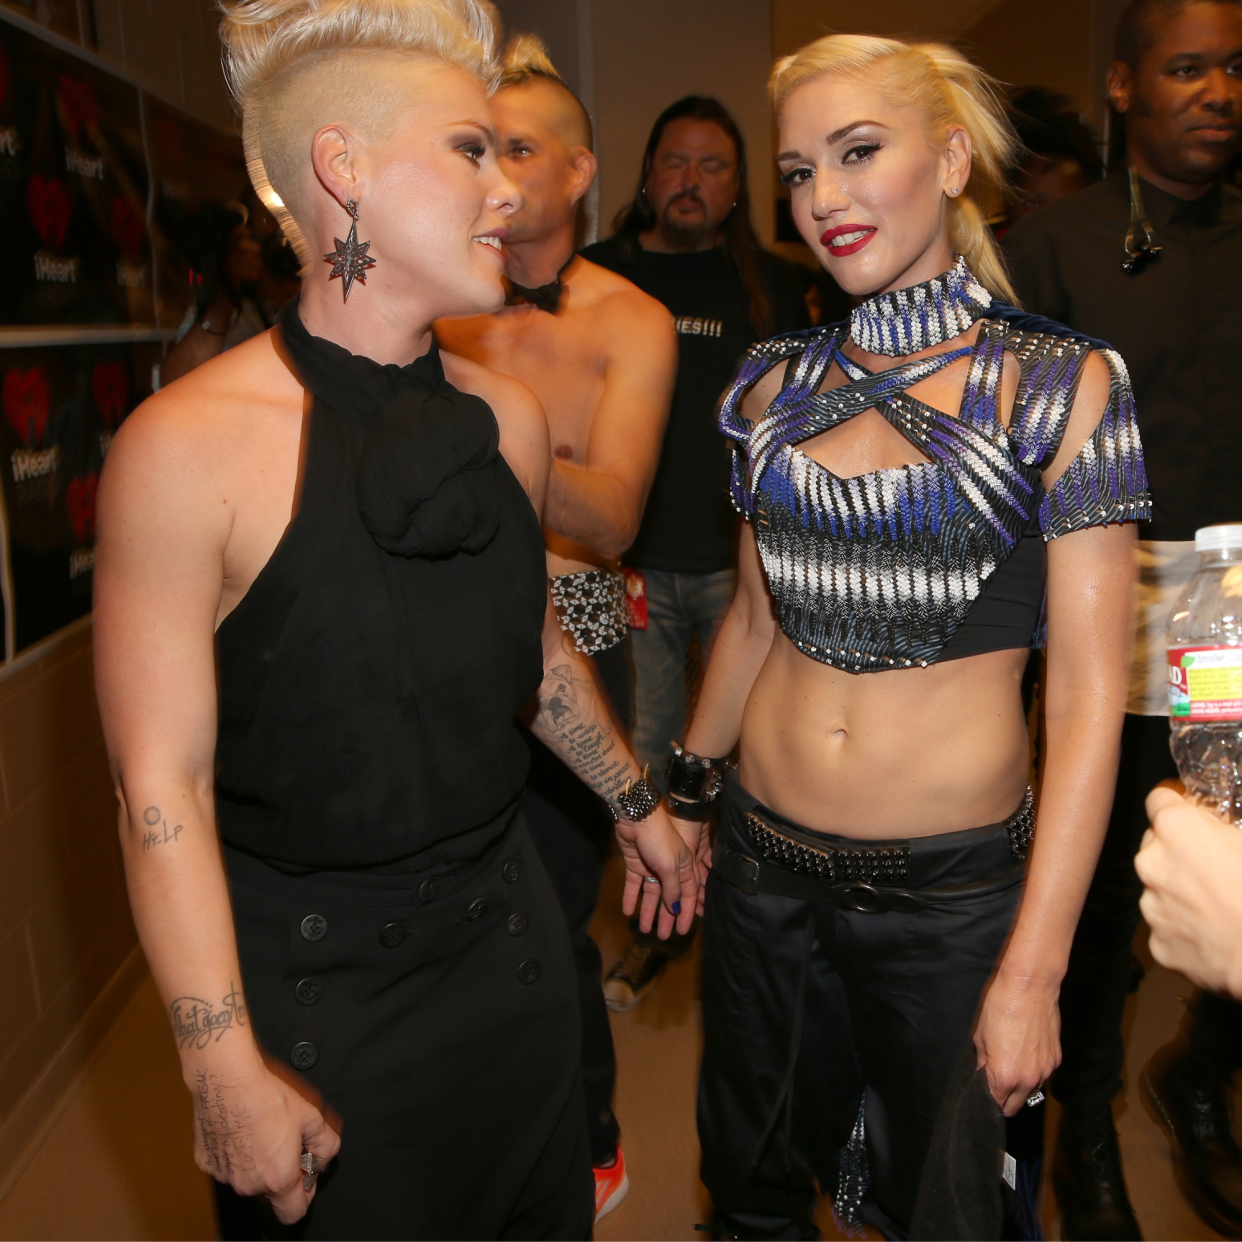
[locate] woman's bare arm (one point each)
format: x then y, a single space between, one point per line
740 650
1090 601
164 522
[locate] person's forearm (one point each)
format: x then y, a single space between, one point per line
180 901
1076 794
592 508
737 656
573 720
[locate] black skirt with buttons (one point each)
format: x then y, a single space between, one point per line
436 1013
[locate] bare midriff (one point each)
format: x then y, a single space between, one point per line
906 753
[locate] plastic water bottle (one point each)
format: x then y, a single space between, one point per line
1205 674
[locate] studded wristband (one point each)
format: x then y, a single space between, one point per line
637 800
693 778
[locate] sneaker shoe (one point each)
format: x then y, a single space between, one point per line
631 978
612 1184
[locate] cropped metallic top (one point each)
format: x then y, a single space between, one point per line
887 569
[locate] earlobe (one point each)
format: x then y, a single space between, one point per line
585 169
1118 86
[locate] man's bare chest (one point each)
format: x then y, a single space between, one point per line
563 363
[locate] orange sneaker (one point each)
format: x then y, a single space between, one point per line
612 1184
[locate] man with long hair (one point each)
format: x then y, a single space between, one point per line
687 239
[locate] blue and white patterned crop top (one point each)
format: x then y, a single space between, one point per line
882 571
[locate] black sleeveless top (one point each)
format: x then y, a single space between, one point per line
370 676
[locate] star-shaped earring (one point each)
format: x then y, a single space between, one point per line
350 259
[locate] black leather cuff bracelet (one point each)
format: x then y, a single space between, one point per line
692 777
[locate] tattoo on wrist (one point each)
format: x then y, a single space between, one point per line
197 1023
575 724
158 832
225 1131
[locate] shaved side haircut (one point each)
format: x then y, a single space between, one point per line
526 63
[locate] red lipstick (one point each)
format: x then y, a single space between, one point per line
826 238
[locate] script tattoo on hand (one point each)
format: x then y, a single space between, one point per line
574 723
197 1023
224 1131
158 832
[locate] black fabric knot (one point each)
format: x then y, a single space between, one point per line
427 475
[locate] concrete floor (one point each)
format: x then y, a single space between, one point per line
117 1164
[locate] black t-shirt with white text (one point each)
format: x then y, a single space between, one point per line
688 524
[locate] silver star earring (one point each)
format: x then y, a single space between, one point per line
350 259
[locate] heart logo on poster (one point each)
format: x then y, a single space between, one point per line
26 402
110 385
126 224
78 107
49 208
80 501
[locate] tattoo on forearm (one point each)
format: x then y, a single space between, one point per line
225 1131
197 1023
576 725
158 832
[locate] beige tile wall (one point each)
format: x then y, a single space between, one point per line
65 928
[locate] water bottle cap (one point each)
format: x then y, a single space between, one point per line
1217 538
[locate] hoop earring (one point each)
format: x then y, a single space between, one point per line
350 259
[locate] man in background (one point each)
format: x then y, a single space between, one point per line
1150 261
600 355
687 239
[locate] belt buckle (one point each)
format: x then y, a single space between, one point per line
861 897
865 898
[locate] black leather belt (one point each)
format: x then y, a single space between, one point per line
753 876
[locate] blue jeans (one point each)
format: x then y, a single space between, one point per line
678 605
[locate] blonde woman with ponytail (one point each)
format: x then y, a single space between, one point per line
932 489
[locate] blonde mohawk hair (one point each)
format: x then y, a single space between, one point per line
526 57
295 65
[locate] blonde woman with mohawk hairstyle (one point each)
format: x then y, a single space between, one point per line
321 602
925 486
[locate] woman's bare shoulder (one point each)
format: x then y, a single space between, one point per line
202 418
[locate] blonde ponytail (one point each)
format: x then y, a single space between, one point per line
949 90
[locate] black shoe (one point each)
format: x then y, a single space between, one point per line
631 978
1193 1111
1090 1184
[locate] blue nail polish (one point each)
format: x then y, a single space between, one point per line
676 907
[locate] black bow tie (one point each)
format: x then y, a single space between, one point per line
546 297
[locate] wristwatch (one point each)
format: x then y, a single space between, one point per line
637 800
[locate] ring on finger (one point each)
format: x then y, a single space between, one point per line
310 1171
651 879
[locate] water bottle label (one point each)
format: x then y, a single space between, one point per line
1205 683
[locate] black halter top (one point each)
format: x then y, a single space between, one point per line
370 676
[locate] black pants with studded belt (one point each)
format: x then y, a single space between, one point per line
437 1014
806 1005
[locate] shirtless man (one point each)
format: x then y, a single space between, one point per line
601 356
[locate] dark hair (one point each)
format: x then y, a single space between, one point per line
1136 34
741 246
